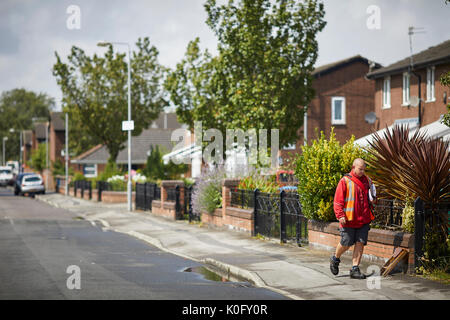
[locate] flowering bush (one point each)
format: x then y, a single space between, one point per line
139 178
116 178
207 193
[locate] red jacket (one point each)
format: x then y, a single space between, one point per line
362 214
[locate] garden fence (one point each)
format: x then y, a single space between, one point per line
431 230
145 194
82 186
276 215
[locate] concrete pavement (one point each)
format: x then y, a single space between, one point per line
296 272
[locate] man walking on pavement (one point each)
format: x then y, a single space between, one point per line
353 199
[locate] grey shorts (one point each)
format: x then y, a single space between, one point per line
351 235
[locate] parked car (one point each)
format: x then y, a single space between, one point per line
6 175
30 183
287 180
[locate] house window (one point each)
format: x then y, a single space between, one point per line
387 92
90 170
337 110
290 146
430 84
406 88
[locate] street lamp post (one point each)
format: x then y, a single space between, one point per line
129 185
47 125
4 139
12 130
66 155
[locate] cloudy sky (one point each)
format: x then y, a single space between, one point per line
31 31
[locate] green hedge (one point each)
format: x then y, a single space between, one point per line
319 169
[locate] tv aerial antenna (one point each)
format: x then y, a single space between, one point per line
411 31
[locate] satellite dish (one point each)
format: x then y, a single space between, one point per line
414 101
370 117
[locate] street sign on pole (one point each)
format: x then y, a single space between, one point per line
128 125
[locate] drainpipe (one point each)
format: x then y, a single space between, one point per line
420 100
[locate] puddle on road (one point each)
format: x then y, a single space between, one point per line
217 275
207 274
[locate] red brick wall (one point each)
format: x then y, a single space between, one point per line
213 219
380 245
56 141
349 82
115 196
166 209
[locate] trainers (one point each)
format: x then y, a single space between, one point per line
355 273
334 265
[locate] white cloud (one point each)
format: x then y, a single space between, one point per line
30 32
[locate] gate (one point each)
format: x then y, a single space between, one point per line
145 194
276 215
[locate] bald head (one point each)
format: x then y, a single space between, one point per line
359 167
359 161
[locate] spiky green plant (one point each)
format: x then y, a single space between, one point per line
415 166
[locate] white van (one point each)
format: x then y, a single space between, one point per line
6 175
14 165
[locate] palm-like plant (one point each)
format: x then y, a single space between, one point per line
415 166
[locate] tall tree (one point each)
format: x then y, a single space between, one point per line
95 94
262 74
445 81
18 107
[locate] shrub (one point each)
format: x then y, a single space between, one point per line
78 177
417 166
110 171
38 158
413 166
263 183
319 169
408 217
207 193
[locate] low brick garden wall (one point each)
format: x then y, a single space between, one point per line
107 196
380 245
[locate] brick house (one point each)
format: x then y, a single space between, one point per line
396 84
92 162
56 136
343 97
397 91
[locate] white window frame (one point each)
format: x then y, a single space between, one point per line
406 91
291 146
430 84
386 93
333 120
93 175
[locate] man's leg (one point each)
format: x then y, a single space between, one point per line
357 253
340 249
361 240
334 260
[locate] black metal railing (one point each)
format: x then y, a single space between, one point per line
102 186
241 198
276 215
172 194
145 194
388 213
82 186
431 230
188 207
